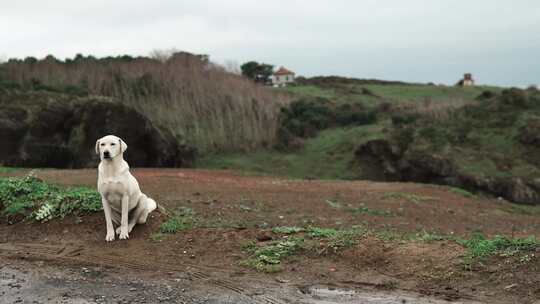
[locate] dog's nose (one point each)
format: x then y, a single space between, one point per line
106 154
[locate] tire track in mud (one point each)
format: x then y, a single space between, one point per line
78 255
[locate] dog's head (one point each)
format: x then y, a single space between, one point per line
109 147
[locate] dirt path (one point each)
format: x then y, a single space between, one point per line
202 265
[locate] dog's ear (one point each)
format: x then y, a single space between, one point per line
97 146
123 145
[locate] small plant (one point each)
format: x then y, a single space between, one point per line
429 237
332 240
268 258
182 219
158 237
316 232
287 230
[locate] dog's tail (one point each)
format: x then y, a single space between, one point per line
151 205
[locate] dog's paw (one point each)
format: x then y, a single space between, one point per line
110 236
124 234
118 230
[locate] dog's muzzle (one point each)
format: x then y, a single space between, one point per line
106 155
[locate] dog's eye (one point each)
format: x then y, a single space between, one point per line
102 145
113 144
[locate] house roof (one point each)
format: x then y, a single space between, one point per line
283 71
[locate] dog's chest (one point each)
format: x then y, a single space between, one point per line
112 190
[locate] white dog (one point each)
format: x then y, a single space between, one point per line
122 199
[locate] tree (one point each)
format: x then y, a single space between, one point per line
258 72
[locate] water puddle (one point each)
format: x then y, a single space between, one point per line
332 295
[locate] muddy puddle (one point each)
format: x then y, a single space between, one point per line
332 295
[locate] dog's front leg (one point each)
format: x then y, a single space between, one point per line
108 219
124 234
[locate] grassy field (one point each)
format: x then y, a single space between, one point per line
329 154
375 93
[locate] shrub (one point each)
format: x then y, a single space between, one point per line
514 97
399 119
347 115
485 95
304 118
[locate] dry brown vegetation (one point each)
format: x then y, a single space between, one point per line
198 101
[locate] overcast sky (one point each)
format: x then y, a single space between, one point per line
413 40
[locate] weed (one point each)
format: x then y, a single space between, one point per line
287 230
481 247
429 237
334 240
316 232
158 237
388 235
268 258
32 198
182 219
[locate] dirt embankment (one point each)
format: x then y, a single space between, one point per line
231 211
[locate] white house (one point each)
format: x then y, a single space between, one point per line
282 77
467 81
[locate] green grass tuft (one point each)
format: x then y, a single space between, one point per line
481 247
182 219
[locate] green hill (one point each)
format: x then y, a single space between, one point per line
479 138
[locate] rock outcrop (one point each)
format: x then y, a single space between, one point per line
43 129
383 160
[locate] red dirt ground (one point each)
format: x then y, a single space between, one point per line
232 210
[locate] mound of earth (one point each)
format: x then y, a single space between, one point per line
43 129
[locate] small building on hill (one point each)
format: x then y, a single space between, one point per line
467 80
282 77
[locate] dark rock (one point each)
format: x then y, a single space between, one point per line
379 160
56 130
382 160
